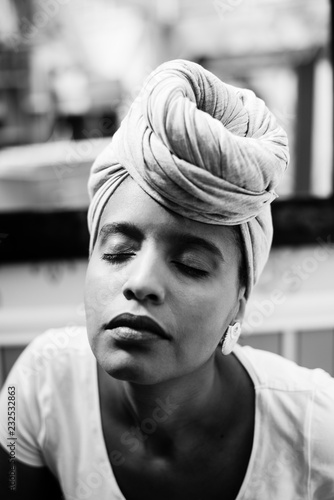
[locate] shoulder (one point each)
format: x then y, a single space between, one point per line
53 360
67 339
299 402
50 380
322 438
276 372
54 349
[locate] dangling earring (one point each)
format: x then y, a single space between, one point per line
230 338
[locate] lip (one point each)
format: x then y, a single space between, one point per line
128 326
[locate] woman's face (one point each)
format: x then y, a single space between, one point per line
180 273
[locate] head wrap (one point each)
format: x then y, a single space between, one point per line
206 150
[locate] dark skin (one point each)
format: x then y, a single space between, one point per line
207 459
204 461
188 457
202 448
184 275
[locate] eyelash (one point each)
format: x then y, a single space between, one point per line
191 271
116 257
187 270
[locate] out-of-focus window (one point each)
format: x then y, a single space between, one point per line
69 69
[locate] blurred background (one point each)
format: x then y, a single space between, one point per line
69 70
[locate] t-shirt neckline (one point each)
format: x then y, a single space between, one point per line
245 362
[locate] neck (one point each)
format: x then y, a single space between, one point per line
200 402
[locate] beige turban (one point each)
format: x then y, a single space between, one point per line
204 149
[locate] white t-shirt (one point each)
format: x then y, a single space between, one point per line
58 422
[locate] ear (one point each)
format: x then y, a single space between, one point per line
242 303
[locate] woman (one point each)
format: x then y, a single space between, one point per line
161 402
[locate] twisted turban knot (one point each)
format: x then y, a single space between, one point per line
206 150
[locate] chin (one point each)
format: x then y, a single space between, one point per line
124 366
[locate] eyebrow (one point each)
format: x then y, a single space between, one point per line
188 239
182 239
126 228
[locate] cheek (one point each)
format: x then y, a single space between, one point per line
206 312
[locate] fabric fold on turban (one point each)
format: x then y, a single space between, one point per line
204 149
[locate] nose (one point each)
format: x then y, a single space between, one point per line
145 281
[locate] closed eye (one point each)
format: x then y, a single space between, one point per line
116 258
191 271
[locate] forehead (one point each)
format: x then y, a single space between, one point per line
130 203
